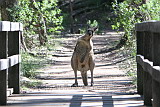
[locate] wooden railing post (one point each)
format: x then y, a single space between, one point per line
13 71
147 77
14 49
140 45
3 73
156 69
9 59
3 58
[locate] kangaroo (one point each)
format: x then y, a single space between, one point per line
83 57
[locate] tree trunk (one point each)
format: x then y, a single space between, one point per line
42 29
145 1
24 44
71 16
5 4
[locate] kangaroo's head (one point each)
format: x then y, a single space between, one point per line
90 32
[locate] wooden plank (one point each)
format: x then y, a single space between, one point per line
140 59
13 43
148 44
13 60
155 27
148 66
3 87
147 79
20 27
3 73
140 51
71 99
156 73
152 26
14 71
4 26
145 63
156 49
10 26
4 64
15 26
147 89
140 42
140 72
156 93
9 91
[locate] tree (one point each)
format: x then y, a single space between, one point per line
38 17
4 4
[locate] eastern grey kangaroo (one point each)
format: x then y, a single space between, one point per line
83 57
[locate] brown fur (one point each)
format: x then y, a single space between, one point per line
83 57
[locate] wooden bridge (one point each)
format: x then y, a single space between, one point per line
148 86
9 59
148 62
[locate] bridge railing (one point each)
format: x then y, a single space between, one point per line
148 61
9 58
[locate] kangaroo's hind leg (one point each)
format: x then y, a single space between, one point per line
76 82
84 77
91 67
74 67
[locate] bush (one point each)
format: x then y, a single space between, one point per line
151 10
129 12
126 17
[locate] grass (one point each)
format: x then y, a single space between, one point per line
39 58
32 83
129 66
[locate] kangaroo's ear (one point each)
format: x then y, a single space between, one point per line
95 28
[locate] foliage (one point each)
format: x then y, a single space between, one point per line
151 10
92 24
38 17
130 12
126 16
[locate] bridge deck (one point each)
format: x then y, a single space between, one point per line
74 98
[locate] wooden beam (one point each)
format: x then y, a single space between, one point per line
15 26
14 59
151 26
4 26
4 64
3 73
13 52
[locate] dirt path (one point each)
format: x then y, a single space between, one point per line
108 79
112 88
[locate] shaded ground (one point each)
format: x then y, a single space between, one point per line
112 87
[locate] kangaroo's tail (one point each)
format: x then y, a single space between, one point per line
84 78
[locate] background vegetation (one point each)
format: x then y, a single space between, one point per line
127 14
